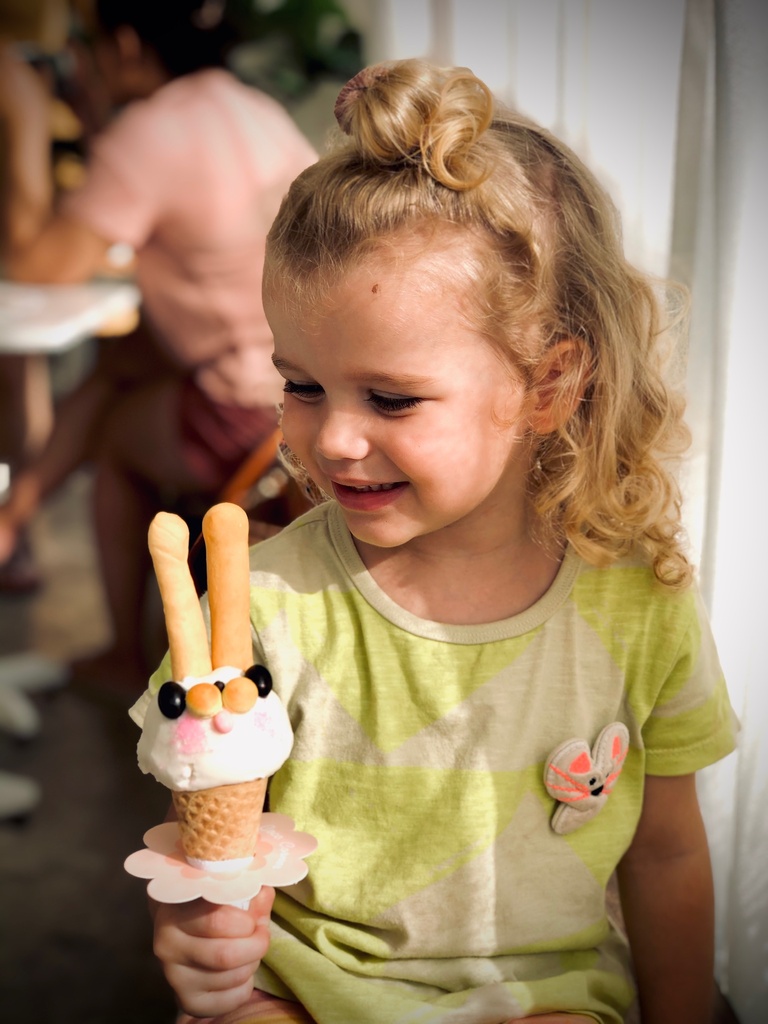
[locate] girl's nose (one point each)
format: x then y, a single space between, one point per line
341 437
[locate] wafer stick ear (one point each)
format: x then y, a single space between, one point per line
187 638
225 529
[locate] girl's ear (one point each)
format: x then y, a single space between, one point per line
560 384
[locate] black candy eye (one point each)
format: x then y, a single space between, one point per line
259 675
171 699
219 686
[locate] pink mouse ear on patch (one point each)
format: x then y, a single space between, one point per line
582 764
563 768
611 747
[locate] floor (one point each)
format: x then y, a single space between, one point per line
74 929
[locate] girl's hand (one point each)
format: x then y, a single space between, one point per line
209 953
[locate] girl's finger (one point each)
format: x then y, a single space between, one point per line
221 955
202 1002
196 981
201 919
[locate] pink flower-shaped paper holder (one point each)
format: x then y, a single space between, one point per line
278 860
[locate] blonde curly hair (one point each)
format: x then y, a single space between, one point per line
423 148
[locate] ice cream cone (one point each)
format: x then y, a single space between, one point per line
219 827
216 723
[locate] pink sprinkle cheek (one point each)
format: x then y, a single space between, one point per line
264 725
189 737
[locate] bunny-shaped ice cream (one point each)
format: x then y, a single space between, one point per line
215 732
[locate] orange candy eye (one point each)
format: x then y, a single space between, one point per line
204 700
239 695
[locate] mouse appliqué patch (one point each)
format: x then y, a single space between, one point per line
581 780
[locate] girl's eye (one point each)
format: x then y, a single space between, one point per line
390 403
304 392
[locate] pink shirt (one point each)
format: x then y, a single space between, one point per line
192 178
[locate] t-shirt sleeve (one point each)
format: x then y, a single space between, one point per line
123 194
692 723
162 674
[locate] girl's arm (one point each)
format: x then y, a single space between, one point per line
37 243
665 880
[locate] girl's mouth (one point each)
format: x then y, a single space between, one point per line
369 497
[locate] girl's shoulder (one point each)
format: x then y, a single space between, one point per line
626 601
631 578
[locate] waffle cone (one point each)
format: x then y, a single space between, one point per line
221 823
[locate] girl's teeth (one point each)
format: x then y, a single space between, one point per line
376 487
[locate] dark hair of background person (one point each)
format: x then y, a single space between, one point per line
186 35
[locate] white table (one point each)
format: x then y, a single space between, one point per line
46 319
42 320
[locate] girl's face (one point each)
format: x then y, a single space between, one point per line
401 410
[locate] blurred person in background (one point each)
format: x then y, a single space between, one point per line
37 29
189 173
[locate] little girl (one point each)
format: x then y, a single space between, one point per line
499 672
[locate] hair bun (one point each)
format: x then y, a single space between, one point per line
347 98
413 114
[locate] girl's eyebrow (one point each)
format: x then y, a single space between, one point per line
284 366
385 381
394 382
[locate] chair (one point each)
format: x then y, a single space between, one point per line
264 488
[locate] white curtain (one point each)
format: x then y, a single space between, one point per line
667 101
728 272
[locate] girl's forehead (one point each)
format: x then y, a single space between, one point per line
410 276
432 258
383 297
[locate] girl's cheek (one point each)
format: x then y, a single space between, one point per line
301 443
291 433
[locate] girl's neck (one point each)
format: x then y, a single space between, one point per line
489 582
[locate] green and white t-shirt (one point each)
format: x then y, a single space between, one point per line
440 890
